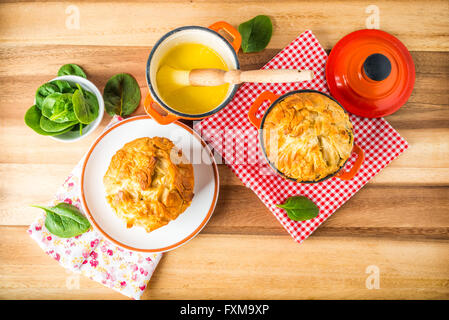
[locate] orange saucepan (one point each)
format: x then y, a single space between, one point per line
210 37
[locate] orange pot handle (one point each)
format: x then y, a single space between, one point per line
266 95
153 113
348 175
231 31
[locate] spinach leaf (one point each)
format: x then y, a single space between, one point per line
256 33
52 126
71 69
76 127
121 95
65 220
64 86
58 107
61 132
48 88
32 119
85 106
43 91
300 208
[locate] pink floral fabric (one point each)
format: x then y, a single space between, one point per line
90 254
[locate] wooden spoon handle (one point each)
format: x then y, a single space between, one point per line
275 76
207 77
216 77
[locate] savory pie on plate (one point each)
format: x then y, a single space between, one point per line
148 183
149 187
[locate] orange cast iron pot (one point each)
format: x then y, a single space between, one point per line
259 123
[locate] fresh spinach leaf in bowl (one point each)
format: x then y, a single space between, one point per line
32 119
52 126
85 106
71 69
58 107
43 91
48 88
64 86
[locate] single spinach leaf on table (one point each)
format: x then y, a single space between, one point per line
71 69
85 105
65 220
121 95
58 107
256 33
300 208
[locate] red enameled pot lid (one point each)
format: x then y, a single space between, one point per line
371 73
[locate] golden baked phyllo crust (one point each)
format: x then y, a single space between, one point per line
148 183
307 136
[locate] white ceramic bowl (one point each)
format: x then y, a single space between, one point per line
72 136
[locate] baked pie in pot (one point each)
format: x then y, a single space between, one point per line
149 183
307 136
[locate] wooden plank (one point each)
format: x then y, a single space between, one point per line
260 267
23 69
27 60
376 210
427 110
17 193
429 148
419 24
25 64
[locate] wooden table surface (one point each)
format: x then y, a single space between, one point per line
398 223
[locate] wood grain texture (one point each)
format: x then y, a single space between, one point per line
398 222
266 266
420 25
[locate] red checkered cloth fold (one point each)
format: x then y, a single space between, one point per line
231 134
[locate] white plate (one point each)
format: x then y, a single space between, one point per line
178 231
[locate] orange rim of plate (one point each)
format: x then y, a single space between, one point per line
177 244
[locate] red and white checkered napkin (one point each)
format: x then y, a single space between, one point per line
380 142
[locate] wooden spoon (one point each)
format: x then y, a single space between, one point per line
216 77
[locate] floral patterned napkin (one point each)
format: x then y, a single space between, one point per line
90 254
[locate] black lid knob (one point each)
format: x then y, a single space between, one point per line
377 67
